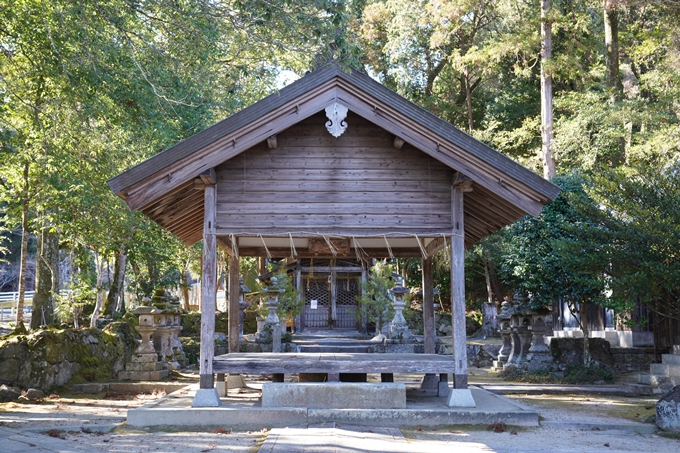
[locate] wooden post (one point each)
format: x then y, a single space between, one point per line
428 307
334 296
234 287
460 372
208 290
298 286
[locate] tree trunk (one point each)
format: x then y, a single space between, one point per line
546 92
47 279
116 291
99 263
613 75
24 250
494 281
185 291
468 102
583 321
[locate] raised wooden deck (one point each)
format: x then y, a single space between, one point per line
331 362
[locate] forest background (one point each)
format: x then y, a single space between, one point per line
90 88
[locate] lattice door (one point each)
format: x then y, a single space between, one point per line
346 303
317 289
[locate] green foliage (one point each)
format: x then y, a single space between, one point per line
375 304
290 303
515 374
577 373
73 308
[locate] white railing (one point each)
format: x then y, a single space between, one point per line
9 300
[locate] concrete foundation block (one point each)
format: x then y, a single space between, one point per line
335 395
235 381
221 388
443 389
460 398
206 398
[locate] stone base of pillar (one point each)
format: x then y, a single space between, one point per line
206 398
538 360
221 388
235 381
460 398
498 365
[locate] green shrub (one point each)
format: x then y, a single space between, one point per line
577 373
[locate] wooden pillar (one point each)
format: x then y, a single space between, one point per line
234 295
208 290
430 335
334 298
458 290
298 286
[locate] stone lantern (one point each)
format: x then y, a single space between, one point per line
399 328
272 322
242 304
144 364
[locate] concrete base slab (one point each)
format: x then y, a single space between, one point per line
243 410
206 398
460 398
334 395
639 428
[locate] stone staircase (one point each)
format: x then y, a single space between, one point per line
662 376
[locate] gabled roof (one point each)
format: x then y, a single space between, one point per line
165 180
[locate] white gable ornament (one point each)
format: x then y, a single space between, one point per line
336 114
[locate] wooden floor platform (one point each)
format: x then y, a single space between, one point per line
331 362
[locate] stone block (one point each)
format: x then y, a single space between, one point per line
668 411
206 398
144 358
235 381
145 366
335 395
460 398
670 359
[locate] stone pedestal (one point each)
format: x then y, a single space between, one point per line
504 353
143 367
460 398
539 356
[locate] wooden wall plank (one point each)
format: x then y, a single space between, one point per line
314 181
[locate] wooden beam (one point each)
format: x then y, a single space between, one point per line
234 287
208 176
208 291
225 245
434 246
398 142
339 270
272 143
458 290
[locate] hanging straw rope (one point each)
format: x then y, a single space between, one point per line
234 245
389 249
293 252
358 249
422 247
269 255
334 251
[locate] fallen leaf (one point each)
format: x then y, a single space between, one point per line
607 444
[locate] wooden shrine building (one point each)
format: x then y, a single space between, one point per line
334 165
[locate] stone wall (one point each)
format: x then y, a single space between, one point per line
566 351
50 358
632 359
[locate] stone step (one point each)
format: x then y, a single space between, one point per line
334 348
670 359
655 380
666 370
640 389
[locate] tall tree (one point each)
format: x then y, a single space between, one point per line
546 91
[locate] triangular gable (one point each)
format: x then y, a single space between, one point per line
165 180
